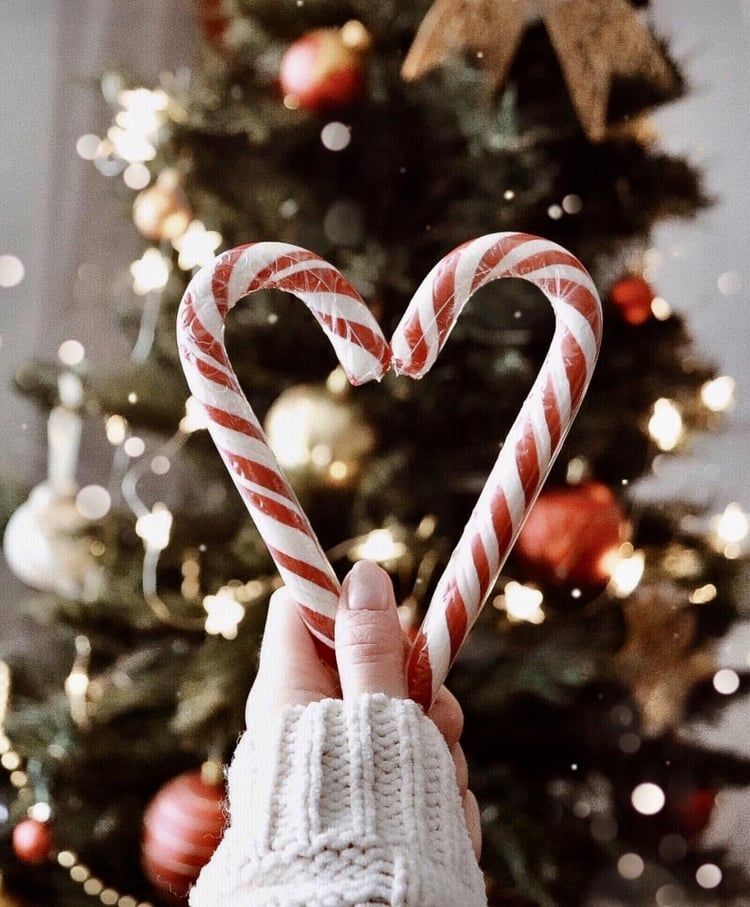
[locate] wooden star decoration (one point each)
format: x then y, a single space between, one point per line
660 662
595 40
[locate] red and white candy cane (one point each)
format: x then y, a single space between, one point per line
364 354
534 440
519 472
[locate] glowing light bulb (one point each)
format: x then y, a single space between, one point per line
665 425
76 683
379 545
150 272
718 395
223 613
116 428
521 603
732 526
155 527
132 147
648 799
195 417
626 573
143 111
196 246
703 594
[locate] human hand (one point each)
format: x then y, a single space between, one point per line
371 653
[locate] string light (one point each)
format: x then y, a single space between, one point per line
223 613
729 530
77 682
142 115
93 502
87 146
665 425
380 545
143 110
195 417
648 799
718 394
11 271
155 527
627 571
703 594
630 866
116 428
196 246
660 308
150 272
136 176
71 352
708 875
521 603
726 681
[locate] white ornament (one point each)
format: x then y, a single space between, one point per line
44 547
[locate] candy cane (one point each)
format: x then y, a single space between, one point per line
534 440
364 354
519 472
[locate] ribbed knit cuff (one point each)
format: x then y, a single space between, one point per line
337 804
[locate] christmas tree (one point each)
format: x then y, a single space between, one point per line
382 136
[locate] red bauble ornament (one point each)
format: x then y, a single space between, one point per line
571 535
326 67
213 21
695 811
632 297
182 827
32 841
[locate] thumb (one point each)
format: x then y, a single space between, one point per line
369 640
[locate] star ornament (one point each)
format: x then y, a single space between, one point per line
660 661
596 41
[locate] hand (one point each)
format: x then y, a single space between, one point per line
371 652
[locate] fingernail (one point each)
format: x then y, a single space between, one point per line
367 587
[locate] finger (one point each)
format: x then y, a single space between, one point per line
369 647
448 716
462 768
473 822
288 658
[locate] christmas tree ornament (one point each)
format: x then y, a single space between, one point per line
661 677
162 212
326 68
695 811
32 841
573 535
213 21
632 296
182 826
45 543
317 436
596 42
524 460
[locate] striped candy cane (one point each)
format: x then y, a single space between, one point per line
519 472
534 440
364 354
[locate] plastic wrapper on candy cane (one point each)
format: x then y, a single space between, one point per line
522 466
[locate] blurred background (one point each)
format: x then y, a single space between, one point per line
655 204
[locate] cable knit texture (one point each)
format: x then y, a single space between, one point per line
342 804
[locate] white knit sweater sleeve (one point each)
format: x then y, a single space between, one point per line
341 804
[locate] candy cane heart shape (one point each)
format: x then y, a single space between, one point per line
519 472
534 440
363 353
